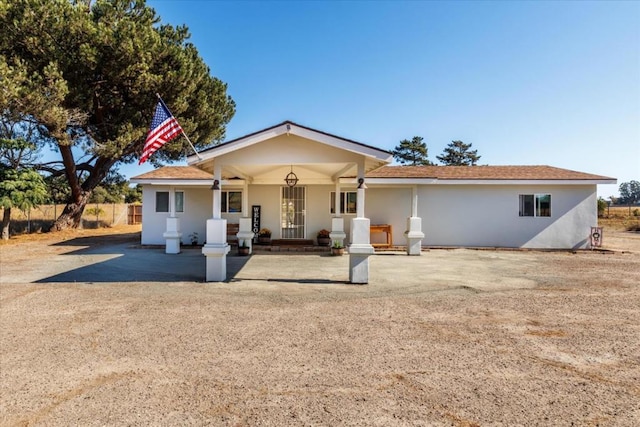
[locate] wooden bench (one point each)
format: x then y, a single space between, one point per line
382 228
232 231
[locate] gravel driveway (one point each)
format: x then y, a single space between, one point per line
454 337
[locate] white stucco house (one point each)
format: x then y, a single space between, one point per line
349 187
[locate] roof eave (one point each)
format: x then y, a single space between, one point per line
287 127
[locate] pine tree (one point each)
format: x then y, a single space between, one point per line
412 153
87 74
457 153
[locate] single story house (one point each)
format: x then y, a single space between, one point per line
329 179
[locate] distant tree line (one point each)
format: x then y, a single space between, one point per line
629 193
414 152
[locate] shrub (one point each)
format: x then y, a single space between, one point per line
602 206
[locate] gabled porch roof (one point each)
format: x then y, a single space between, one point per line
268 155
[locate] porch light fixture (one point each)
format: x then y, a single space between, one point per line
291 178
361 184
216 185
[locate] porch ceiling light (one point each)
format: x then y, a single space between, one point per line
291 178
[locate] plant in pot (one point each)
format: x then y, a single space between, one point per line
264 236
323 238
337 249
193 237
243 248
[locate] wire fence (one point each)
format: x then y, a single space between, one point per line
96 215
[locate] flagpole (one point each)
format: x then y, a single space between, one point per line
185 135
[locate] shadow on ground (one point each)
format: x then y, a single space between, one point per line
120 258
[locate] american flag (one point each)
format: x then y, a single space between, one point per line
164 127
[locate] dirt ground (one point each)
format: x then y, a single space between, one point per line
460 338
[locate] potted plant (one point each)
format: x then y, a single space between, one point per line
243 248
323 238
194 238
337 249
264 236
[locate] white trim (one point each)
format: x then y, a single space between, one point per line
523 181
175 200
436 181
190 182
155 207
232 190
291 129
342 144
377 181
535 206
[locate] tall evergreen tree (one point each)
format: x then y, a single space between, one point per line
457 153
87 73
412 153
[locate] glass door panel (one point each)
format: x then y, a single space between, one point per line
292 213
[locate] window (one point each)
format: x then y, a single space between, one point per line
535 205
162 201
179 201
347 202
231 201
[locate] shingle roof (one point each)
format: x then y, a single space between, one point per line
437 172
176 172
483 173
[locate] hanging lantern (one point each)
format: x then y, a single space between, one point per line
291 178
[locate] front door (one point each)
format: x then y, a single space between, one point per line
293 212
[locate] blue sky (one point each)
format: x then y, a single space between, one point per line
526 83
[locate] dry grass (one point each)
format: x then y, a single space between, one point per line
104 232
620 218
42 218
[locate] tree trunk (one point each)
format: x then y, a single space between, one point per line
71 216
6 219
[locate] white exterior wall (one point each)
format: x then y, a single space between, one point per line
391 205
318 208
197 209
268 198
452 215
488 216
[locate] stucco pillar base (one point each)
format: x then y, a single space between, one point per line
173 236
337 231
359 251
414 235
216 250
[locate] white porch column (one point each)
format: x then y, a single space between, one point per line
245 199
217 248
172 235
414 234
360 249
337 234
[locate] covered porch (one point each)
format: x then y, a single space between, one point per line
293 181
